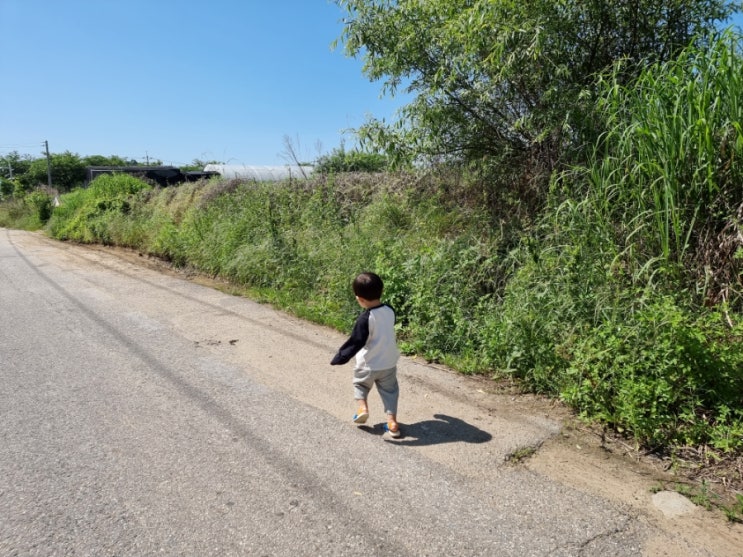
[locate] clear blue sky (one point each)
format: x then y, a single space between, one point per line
178 80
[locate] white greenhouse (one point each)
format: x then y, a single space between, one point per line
259 173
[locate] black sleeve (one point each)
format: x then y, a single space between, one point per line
356 342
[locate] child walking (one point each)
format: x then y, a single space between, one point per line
373 343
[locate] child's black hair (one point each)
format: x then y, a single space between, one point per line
368 286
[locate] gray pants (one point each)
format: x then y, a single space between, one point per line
386 382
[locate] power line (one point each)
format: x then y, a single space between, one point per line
16 147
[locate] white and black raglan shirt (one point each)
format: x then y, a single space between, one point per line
372 341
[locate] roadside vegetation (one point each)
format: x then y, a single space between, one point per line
590 248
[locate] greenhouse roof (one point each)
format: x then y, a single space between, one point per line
260 173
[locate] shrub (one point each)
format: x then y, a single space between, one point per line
341 160
662 375
87 215
41 203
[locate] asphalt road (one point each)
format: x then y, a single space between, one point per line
143 414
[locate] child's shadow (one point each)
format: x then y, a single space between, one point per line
443 429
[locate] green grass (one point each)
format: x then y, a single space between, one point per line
521 454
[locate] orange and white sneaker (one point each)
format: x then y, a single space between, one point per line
393 429
360 416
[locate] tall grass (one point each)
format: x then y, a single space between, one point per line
670 166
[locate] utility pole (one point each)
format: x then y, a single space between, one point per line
48 165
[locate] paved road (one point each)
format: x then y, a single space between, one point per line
143 414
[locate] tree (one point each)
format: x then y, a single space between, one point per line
199 164
504 80
100 160
355 160
68 172
14 164
6 188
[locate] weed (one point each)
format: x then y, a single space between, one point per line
521 454
734 511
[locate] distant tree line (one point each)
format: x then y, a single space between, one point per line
21 173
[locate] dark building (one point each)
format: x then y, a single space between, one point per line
161 175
